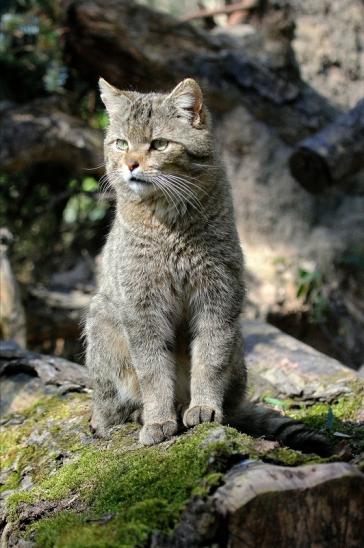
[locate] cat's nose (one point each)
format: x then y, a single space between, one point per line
132 164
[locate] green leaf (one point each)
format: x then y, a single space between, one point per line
89 184
275 402
330 419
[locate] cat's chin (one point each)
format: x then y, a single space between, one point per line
141 188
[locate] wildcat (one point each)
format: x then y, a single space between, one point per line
163 335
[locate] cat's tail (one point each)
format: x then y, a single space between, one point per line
257 421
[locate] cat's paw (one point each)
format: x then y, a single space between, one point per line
97 428
154 433
201 413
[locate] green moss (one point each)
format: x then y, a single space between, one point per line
348 408
214 479
119 490
40 434
144 489
138 489
12 482
207 484
289 457
124 492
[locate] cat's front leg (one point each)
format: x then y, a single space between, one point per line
155 369
215 333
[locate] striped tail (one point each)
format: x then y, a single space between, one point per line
259 421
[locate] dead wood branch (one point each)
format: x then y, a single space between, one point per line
332 154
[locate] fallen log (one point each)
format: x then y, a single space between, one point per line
132 46
51 370
327 157
288 368
41 132
27 376
262 505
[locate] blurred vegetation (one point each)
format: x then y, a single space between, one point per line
30 50
50 212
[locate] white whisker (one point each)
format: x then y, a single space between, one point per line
189 180
166 193
184 193
182 185
205 166
93 168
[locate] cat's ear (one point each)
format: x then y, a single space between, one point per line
188 100
113 98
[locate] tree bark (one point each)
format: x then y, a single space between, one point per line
266 505
50 369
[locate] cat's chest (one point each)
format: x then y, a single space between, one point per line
178 257
162 259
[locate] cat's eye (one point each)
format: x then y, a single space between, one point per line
159 144
122 144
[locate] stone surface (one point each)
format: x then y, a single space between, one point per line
26 376
328 45
289 368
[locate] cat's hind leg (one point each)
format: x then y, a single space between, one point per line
108 409
116 396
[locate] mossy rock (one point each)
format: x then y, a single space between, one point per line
60 487
63 488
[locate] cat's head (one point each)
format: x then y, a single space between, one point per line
157 144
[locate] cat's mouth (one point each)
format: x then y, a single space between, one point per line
139 180
142 186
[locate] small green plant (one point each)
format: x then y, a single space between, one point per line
310 288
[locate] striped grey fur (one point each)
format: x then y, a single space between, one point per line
163 335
